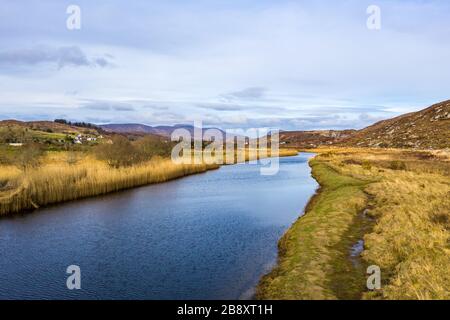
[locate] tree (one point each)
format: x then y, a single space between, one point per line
119 153
150 146
29 155
13 134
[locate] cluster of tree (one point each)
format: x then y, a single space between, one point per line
27 156
80 124
13 134
122 152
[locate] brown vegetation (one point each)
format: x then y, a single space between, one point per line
427 129
58 181
397 201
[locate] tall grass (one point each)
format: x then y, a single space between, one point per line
407 234
63 178
410 202
59 181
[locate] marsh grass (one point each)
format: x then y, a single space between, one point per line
59 181
66 176
411 238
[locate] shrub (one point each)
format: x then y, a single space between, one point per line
397 165
29 156
366 165
352 161
119 153
150 146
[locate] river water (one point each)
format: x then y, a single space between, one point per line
207 236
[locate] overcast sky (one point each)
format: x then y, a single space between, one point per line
233 64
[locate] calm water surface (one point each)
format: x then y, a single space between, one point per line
209 236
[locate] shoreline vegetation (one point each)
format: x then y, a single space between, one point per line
384 207
67 176
57 183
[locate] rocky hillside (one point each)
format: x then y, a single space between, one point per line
313 139
426 129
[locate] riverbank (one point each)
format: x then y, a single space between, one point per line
55 183
64 176
391 204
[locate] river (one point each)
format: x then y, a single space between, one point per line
207 236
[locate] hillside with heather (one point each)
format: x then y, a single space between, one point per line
425 129
313 139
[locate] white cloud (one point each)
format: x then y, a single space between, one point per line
262 62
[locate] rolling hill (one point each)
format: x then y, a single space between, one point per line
425 129
313 139
47 126
163 131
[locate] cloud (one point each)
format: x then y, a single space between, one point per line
221 106
245 94
108 106
70 56
370 119
122 108
155 107
233 107
101 62
246 63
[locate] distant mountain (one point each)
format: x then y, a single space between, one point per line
127 128
426 129
164 131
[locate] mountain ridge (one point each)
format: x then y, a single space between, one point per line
425 129
428 128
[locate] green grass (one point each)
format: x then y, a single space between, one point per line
314 254
49 135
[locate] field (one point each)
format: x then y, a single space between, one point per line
394 203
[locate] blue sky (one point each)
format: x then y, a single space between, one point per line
233 64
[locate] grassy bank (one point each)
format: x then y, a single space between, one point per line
397 201
313 253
